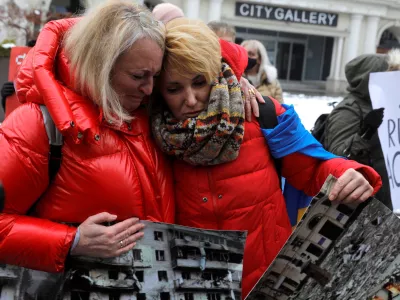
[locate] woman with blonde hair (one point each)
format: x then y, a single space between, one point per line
92 74
263 75
224 172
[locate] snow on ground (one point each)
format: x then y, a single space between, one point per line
310 108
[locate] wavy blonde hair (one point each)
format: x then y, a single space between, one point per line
95 43
266 66
191 47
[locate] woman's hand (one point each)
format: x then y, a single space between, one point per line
251 95
97 240
351 187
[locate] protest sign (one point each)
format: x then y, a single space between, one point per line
384 90
17 55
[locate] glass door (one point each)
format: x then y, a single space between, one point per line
297 62
290 60
283 59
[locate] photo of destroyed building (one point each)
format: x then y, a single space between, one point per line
170 262
306 247
9 281
337 252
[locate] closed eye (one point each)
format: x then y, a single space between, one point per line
199 83
173 90
137 77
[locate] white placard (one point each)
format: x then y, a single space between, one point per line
384 89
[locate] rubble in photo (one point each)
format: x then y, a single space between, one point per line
337 252
170 262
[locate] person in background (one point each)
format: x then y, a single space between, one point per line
111 172
8 87
223 30
225 176
263 75
351 128
166 12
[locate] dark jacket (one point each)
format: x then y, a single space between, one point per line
342 132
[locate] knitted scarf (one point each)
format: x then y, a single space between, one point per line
214 136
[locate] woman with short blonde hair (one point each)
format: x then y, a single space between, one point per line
225 176
92 75
187 53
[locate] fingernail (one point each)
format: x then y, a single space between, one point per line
332 197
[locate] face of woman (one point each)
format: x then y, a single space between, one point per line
253 53
186 96
134 72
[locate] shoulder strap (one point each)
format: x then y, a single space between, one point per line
55 143
268 120
361 114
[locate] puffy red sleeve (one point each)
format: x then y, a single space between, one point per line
28 241
309 174
235 56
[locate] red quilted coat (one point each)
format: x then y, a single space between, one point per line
104 168
245 194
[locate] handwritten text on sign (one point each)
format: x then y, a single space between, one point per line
260 11
384 90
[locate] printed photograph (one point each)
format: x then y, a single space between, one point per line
337 252
171 262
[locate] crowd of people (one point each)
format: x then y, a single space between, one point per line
158 117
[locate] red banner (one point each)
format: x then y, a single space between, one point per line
17 56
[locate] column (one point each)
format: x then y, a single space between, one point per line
192 9
370 34
214 10
334 58
339 52
352 43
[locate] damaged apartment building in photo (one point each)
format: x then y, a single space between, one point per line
170 263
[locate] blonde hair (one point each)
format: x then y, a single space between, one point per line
266 66
192 47
95 43
222 28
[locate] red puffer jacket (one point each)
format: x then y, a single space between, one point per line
245 195
104 168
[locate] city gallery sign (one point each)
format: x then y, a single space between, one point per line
260 11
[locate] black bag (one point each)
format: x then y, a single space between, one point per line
318 130
320 124
268 120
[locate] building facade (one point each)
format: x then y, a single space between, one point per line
310 41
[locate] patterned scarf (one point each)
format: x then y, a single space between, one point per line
214 136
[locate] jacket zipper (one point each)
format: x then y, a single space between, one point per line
214 198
